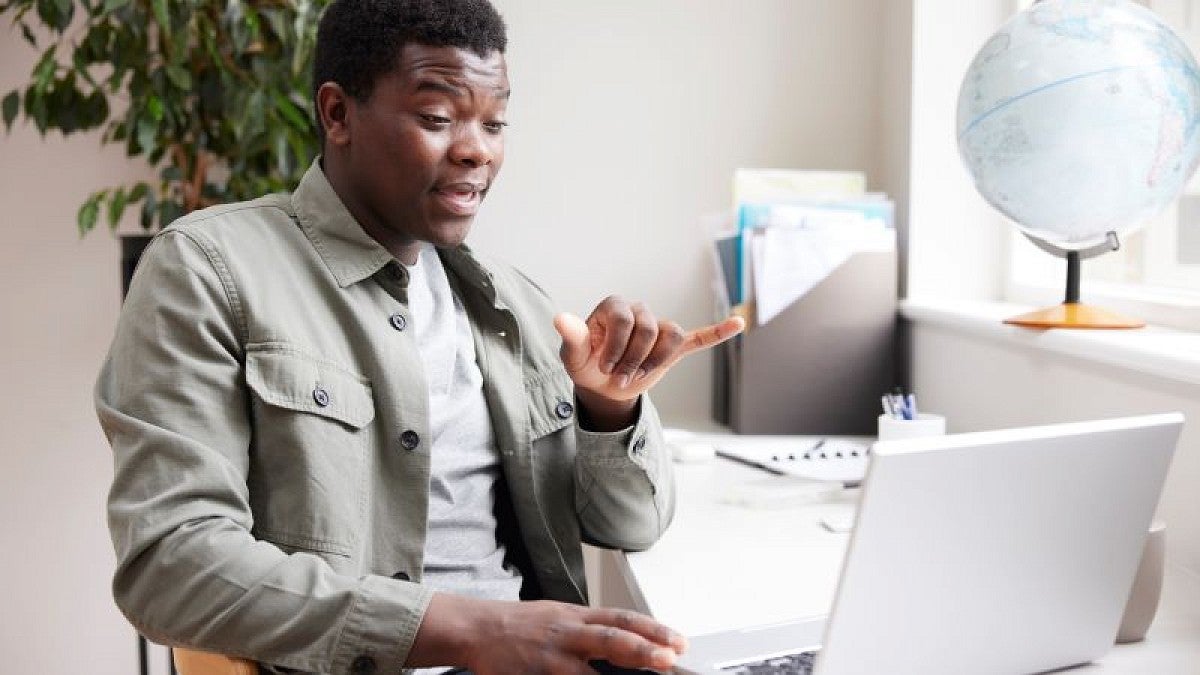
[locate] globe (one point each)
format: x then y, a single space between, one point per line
1079 118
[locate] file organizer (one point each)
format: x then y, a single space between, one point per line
820 366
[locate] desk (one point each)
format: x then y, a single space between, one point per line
722 565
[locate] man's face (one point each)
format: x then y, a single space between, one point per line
421 152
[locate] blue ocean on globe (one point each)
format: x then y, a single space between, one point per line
1081 117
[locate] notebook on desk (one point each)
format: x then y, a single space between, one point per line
1006 551
828 459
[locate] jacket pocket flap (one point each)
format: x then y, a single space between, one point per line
290 379
551 396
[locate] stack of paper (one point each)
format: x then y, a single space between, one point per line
791 230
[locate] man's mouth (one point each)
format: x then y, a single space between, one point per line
460 198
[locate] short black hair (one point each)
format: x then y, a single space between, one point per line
360 40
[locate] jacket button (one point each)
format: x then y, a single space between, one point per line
410 440
564 410
398 321
362 665
639 444
321 397
402 576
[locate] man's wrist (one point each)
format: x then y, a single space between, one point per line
602 414
449 632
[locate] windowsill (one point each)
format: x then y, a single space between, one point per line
1162 352
1163 306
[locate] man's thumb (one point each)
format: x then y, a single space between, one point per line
576 347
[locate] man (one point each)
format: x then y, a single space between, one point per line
346 444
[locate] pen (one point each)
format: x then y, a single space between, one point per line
899 405
742 460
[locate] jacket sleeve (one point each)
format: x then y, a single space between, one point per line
173 402
624 486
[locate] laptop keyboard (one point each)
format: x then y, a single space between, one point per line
791 664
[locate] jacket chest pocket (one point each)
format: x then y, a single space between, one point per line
310 439
551 397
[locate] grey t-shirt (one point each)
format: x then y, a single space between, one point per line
462 554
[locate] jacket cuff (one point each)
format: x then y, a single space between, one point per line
379 630
640 444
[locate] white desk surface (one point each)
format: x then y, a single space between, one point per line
724 563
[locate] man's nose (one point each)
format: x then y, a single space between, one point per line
471 148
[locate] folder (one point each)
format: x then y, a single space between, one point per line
820 366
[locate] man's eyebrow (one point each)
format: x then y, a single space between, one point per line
457 92
440 87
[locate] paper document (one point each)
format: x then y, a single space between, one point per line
788 261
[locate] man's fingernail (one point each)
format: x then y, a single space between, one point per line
623 381
639 374
663 656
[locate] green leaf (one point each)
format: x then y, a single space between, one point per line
43 72
28 34
289 111
10 106
64 7
36 109
168 211
116 208
88 213
149 208
47 11
147 133
80 62
162 15
96 110
139 192
154 106
179 77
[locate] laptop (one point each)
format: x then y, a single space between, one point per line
1008 551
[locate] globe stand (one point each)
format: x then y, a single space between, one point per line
1072 313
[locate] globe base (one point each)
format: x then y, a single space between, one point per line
1074 315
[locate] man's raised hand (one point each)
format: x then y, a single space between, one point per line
622 349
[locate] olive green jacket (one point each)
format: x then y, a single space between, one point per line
268 415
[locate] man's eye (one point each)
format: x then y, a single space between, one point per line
495 127
436 120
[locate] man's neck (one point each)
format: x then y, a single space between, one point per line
402 247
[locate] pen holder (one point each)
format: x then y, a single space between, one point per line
926 424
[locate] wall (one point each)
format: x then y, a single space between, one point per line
956 240
58 307
628 118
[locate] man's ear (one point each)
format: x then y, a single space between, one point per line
333 109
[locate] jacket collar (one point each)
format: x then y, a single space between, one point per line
348 251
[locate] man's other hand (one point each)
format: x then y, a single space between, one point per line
496 638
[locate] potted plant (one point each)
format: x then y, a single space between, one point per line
212 93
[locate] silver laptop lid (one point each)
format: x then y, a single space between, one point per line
1006 551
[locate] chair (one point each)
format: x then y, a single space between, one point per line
196 662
